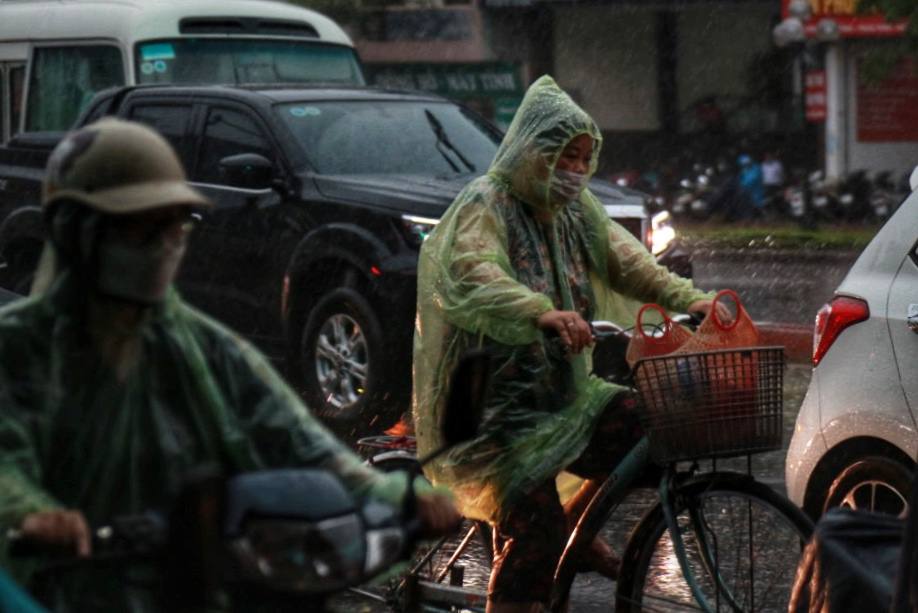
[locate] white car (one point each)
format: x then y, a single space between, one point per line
856 437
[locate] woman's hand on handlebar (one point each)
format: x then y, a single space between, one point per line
437 514
60 528
573 330
704 306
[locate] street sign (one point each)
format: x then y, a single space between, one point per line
815 95
494 89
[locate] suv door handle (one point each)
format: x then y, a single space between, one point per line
912 318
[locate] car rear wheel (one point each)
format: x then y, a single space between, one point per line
873 483
341 352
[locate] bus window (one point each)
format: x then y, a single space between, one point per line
207 60
16 83
64 79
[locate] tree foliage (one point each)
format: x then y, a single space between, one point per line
879 62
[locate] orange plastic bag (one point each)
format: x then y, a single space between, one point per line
712 334
732 375
666 338
719 385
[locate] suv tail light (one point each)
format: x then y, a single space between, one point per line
834 317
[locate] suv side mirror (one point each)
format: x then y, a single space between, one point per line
248 171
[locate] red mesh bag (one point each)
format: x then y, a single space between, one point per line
709 397
732 375
666 338
712 334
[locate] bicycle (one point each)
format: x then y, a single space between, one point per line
700 547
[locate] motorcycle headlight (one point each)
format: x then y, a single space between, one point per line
662 233
302 557
418 228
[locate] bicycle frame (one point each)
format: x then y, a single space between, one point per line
414 590
612 491
608 496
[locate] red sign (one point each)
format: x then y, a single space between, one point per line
815 95
850 23
888 111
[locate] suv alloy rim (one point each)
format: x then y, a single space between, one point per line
342 361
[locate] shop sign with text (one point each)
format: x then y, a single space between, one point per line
888 111
851 24
493 89
815 95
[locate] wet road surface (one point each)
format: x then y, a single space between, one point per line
776 286
593 593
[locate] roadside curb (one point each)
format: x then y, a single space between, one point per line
771 254
797 339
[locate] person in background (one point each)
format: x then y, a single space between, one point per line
751 187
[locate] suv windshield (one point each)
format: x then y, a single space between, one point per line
390 137
207 60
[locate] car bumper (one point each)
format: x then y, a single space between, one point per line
807 445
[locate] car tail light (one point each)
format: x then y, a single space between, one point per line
834 317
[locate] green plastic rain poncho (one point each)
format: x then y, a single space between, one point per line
486 274
74 434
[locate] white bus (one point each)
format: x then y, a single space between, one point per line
56 54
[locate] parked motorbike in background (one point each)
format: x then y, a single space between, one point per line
854 196
886 195
696 194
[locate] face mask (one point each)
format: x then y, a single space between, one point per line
139 274
566 186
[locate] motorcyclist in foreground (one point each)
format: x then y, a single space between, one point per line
112 388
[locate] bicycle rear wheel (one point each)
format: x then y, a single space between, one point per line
733 527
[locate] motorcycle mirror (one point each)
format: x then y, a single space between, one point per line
468 387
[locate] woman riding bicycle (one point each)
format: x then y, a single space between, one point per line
523 253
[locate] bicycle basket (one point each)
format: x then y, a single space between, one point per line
712 403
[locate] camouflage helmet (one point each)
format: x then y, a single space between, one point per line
117 167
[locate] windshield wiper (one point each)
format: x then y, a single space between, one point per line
443 141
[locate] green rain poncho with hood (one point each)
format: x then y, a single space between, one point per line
77 432
486 274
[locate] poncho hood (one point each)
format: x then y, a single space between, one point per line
547 120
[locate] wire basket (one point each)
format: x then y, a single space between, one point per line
713 403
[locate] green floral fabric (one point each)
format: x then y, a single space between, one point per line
504 253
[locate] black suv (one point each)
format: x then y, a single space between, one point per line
323 197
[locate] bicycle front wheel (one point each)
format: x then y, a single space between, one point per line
742 540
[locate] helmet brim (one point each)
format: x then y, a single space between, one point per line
136 197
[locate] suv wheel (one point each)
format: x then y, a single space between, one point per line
341 351
873 483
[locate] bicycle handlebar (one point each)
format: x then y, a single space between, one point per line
603 330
